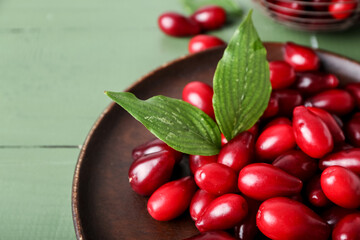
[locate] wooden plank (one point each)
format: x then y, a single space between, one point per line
36 193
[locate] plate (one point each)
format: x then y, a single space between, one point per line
103 204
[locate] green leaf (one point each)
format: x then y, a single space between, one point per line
231 6
241 82
179 124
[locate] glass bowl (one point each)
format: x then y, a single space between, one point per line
313 15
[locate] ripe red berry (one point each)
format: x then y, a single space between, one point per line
262 181
274 141
347 228
341 186
223 213
282 75
202 42
342 9
208 178
200 95
238 152
209 17
223 140
311 133
177 25
349 158
149 172
199 203
282 218
296 163
354 90
171 199
336 101
353 130
301 58
152 146
310 83
315 194
272 108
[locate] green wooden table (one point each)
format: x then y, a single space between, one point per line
57 58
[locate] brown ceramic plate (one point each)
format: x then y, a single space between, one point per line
104 206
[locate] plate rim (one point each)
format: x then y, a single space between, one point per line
75 184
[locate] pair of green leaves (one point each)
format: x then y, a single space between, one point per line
241 94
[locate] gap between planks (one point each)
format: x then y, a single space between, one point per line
39 146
